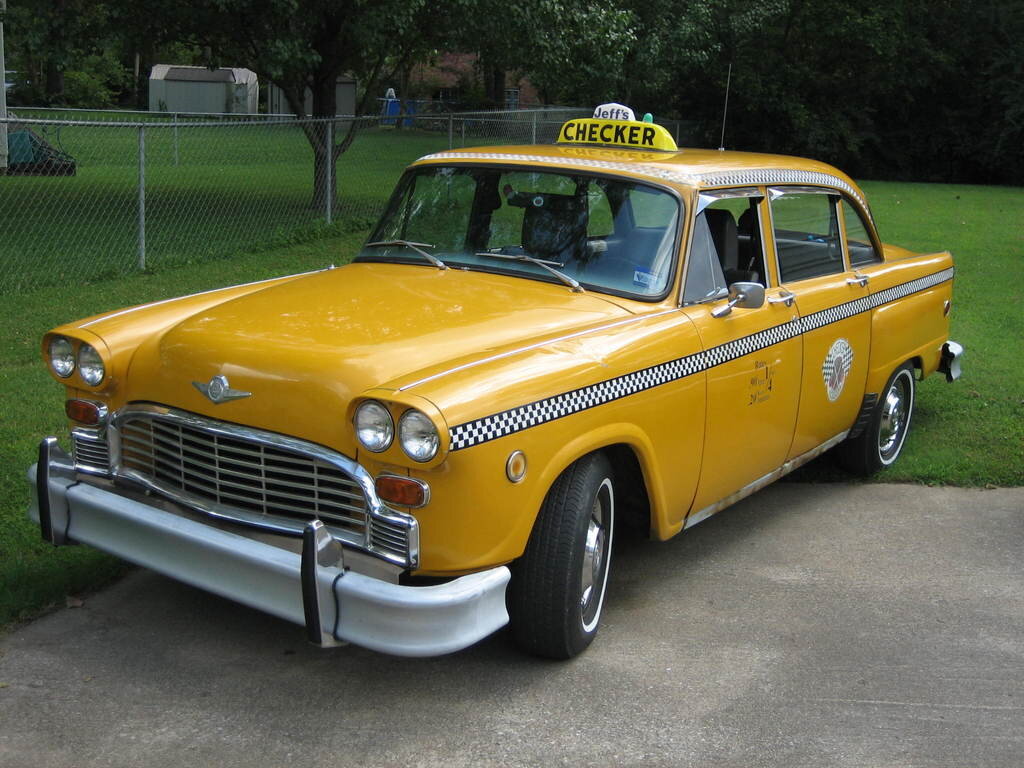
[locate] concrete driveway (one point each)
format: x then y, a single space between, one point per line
811 625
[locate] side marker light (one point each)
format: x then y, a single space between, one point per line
515 467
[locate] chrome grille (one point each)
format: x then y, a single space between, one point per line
91 451
242 474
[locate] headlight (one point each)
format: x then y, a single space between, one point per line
418 436
62 357
90 366
374 427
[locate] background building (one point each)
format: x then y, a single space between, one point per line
198 89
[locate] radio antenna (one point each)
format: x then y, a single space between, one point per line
725 109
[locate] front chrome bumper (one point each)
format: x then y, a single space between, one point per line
332 602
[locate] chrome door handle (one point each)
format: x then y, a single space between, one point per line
784 297
861 280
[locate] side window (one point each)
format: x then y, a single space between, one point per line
858 241
705 278
806 235
726 245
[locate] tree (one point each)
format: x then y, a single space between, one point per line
568 50
46 38
300 44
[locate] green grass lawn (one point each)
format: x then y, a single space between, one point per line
969 433
210 193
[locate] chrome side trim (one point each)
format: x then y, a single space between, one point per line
537 345
376 510
698 517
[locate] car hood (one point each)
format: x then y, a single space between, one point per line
305 348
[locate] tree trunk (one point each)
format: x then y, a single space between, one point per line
494 85
54 83
325 104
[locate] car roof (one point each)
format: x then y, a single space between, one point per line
695 168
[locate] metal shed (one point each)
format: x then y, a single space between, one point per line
345 90
198 89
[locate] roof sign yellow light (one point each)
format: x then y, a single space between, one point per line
614 125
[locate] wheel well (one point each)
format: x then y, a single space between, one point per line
632 503
918 364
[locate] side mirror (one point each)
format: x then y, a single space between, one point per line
742 295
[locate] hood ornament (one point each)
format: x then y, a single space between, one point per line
218 390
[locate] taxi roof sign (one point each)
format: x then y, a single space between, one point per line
614 125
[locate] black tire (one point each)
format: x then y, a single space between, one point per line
552 611
880 443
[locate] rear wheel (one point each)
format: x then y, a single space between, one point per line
558 585
880 443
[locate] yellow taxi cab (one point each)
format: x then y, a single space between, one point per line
537 345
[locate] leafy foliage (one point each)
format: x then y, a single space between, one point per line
908 89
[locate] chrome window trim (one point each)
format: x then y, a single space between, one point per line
376 510
704 199
775 177
869 227
776 192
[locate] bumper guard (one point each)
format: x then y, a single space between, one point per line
949 363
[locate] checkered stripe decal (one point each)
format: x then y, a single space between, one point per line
567 403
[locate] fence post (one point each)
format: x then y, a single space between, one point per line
533 134
463 131
329 174
175 138
451 127
142 198
3 95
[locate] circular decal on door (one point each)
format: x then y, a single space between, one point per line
836 367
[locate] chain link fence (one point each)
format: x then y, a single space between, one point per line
94 195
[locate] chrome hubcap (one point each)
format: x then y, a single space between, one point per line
894 417
593 557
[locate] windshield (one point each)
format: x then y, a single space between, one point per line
609 234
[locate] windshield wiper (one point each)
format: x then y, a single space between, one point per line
548 265
418 247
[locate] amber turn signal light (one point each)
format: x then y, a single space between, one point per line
85 411
403 491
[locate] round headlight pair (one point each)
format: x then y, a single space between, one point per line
416 432
63 361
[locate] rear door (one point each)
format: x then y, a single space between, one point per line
812 267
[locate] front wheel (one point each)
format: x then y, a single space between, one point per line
882 440
558 585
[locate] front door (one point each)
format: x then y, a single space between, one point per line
753 356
